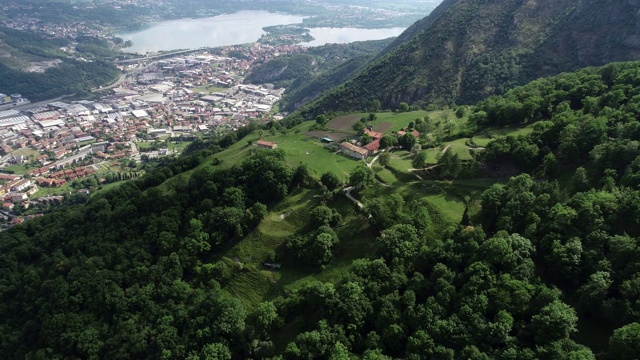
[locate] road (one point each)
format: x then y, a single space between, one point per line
39 103
115 84
347 192
170 54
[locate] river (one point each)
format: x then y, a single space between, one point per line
233 29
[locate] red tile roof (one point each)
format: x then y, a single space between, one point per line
373 146
373 134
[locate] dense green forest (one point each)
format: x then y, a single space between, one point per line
547 268
71 77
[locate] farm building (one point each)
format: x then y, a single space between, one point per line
374 134
354 151
415 133
372 146
266 144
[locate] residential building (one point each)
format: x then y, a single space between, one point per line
354 151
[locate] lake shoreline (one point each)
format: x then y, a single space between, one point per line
242 27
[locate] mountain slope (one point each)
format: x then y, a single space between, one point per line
478 48
304 89
165 266
309 74
418 26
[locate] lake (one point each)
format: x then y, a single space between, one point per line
346 35
234 29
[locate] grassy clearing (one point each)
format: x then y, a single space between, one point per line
397 121
27 152
510 130
209 89
64 189
144 145
254 283
298 148
482 140
19 169
385 175
451 197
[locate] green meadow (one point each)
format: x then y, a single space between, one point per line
253 282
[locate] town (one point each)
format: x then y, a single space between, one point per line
59 144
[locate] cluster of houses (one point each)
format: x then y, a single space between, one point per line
163 99
363 152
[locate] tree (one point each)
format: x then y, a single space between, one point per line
302 177
594 291
323 215
555 321
420 160
330 180
398 243
550 165
580 180
339 352
215 352
365 139
321 120
407 141
358 127
403 107
384 159
387 141
624 344
449 164
460 112
361 176
266 316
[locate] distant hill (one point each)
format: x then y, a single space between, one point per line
41 68
467 50
309 74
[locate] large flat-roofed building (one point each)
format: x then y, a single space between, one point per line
8 114
13 121
47 115
49 123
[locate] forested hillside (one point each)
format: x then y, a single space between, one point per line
546 267
69 75
309 74
478 48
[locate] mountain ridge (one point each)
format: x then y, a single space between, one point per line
477 48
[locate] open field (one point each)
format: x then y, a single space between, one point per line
27 152
333 135
384 127
393 122
510 130
344 123
299 148
209 89
385 175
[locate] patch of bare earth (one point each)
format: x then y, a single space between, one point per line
344 123
383 127
335 136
